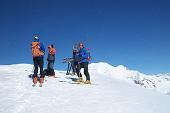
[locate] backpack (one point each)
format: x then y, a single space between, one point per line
89 56
36 49
52 51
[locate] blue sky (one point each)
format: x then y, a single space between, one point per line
133 33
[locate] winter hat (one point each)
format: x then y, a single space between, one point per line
36 38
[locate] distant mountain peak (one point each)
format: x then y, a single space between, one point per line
160 82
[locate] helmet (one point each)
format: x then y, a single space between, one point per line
36 38
75 47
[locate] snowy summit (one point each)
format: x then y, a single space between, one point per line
113 90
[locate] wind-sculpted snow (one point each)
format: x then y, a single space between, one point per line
160 82
112 91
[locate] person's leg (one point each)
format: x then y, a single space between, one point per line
41 63
51 65
78 68
73 68
53 68
85 65
48 69
48 65
35 60
68 68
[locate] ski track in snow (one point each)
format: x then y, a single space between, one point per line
59 95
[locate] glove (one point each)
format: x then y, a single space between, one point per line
42 53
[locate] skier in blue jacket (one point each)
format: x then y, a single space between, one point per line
83 63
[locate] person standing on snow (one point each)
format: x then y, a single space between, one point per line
75 63
72 64
38 52
83 63
51 60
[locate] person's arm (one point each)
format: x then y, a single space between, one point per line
85 54
42 48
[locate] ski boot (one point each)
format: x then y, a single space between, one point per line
87 82
41 82
34 81
79 80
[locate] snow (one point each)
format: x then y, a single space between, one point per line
160 82
113 90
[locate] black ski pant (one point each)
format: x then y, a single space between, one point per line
85 66
68 68
50 67
38 62
73 65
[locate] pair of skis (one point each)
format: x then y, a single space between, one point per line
80 83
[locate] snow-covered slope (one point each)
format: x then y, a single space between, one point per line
111 92
160 82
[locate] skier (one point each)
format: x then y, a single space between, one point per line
51 60
72 64
38 52
75 63
83 63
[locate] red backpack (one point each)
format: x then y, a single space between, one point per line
52 51
89 56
